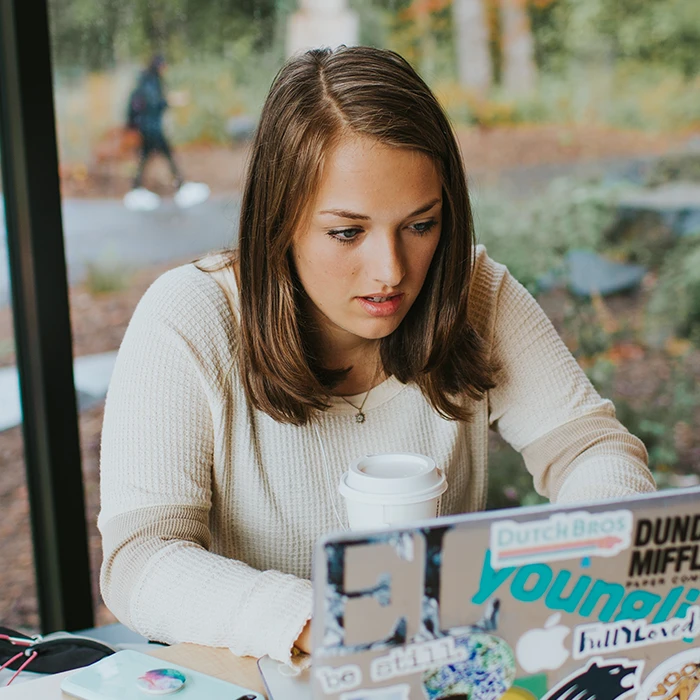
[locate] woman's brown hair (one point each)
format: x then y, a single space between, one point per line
315 99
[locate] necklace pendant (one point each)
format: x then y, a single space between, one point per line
360 417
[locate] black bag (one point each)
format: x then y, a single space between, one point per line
137 106
55 652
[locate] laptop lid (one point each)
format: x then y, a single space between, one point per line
587 602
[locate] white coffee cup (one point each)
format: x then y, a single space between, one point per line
397 488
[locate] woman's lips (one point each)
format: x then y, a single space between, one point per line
381 309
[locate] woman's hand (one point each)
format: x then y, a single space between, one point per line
303 642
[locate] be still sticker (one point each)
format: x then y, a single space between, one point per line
561 536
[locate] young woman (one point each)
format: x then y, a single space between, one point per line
357 315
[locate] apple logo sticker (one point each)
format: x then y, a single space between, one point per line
543 649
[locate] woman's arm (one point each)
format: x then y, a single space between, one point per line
158 576
547 409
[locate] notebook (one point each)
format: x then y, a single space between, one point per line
587 602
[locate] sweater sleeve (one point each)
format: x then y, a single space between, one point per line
547 409
158 575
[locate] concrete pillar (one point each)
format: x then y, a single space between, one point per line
474 66
519 73
321 23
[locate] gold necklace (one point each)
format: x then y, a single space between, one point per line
360 416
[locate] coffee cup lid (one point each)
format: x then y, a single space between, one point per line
400 477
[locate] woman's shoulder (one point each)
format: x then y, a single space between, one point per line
188 298
484 290
487 274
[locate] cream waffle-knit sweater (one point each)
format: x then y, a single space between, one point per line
210 509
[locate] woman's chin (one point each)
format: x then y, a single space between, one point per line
377 328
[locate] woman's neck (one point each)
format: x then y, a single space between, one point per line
365 366
353 385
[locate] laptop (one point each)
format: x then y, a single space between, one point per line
586 602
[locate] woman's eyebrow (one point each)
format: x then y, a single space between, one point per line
345 214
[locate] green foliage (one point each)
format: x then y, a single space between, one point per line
588 337
510 484
622 94
374 21
658 31
674 403
682 166
98 34
219 89
626 63
674 308
107 274
653 32
427 43
532 237
7 351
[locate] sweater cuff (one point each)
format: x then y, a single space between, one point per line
272 616
594 455
607 476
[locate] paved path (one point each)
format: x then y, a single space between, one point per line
91 375
103 231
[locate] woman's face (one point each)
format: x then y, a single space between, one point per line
372 232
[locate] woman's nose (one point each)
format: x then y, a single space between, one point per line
388 266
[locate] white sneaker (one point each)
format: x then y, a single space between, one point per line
191 193
141 199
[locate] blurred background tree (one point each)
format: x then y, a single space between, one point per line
97 35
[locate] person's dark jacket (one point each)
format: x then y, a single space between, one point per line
147 104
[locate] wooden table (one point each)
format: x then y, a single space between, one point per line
220 663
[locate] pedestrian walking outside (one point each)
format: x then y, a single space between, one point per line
147 104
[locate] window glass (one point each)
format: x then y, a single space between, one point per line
569 116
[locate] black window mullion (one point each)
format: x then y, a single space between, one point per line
41 317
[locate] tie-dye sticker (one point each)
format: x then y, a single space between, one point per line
486 674
161 681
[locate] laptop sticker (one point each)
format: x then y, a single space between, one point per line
665 550
380 592
609 679
572 592
415 658
677 678
604 638
561 536
394 692
517 693
336 680
486 672
528 688
543 649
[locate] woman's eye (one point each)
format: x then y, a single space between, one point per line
424 226
348 235
344 235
